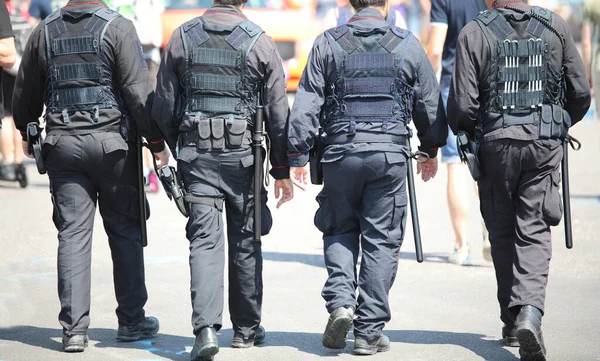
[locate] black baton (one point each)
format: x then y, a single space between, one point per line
141 191
414 213
257 137
569 140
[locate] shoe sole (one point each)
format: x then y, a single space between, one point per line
529 346
335 335
370 351
207 352
136 337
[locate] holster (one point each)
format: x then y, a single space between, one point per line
314 157
468 150
34 146
173 187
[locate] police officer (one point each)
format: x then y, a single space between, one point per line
368 81
212 73
7 49
518 85
84 64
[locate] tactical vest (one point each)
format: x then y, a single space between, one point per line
525 88
79 76
219 99
368 87
345 14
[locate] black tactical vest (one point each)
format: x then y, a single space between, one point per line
525 88
219 100
367 87
79 76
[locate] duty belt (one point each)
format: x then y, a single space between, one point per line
362 137
192 138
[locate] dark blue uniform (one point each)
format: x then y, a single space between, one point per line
368 81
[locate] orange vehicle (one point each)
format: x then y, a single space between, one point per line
292 27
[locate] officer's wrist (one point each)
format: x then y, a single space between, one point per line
156 146
431 152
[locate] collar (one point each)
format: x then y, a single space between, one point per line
86 2
224 9
366 13
501 3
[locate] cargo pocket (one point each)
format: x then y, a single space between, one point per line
324 218
398 220
552 205
266 219
235 129
113 144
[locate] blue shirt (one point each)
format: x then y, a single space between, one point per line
455 14
40 9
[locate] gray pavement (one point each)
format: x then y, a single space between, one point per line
440 311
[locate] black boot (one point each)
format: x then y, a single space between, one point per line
509 336
147 328
206 345
340 322
371 346
21 175
239 341
74 343
529 334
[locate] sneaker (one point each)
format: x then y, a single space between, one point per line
75 343
461 256
487 247
147 328
153 182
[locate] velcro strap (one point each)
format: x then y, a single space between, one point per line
79 96
211 201
56 27
535 27
214 104
500 27
363 61
349 42
106 14
363 137
95 24
198 35
226 83
391 40
338 32
369 108
75 45
372 85
83 71
544 13
216 57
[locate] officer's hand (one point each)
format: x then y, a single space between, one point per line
26 149
162 158
286 189
428 170
299 176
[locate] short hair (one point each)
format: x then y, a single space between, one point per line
361 4
231 2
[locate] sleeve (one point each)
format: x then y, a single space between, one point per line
135 83
577 94
28 94
310 96
165 104
438 12
428 113
5 27
463 103
277 111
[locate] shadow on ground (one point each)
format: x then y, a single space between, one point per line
176 348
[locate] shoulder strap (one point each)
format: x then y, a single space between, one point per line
344 37
535 26
392 38
496 23
243 32
544 13
195 30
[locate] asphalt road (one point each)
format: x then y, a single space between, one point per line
440 311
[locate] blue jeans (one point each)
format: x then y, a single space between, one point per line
449 151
